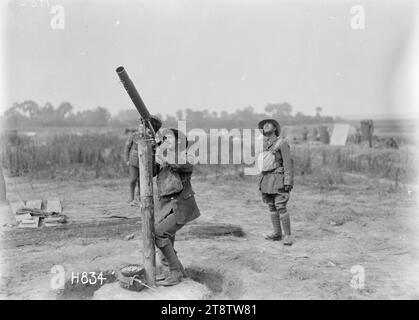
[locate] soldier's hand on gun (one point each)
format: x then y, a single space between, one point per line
127 163
287 188
157 141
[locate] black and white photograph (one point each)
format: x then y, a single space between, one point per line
209 150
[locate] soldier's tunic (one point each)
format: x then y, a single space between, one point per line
272 183
131 150
131 155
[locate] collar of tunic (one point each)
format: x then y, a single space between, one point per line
269 141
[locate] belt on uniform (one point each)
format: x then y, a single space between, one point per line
277 170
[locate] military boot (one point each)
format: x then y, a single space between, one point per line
174 277
182 270
276 222
173 262
164 272
165 268
286 224
172 240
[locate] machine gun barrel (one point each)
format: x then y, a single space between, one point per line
135 97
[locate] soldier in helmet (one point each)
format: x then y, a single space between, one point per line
276 184
392 143
305 134
176 199
358 137
131 158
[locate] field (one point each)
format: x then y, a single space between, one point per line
98 153
361 222
406 130
353 213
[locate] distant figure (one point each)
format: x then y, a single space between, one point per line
324 134
305 134
358 136
129 131
131 159
367 131
14 137
316 134
14 142
392 143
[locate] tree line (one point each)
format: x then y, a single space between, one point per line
30 114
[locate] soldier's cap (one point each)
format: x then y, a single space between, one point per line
180 137
273 121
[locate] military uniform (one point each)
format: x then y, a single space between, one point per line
181 204
131 149
305 134
275 185
131 156
172 213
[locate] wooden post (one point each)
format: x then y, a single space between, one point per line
147 205
3 197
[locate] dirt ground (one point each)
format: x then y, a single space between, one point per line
358 224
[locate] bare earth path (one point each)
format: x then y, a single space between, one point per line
358 223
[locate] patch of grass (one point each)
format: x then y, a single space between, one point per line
100 155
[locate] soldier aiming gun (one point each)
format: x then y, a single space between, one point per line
176 199
177 205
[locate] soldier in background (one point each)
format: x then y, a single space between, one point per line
392 143
131 159
305 134
316 134
367 131
358 137
276 184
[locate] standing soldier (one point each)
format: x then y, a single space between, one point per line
131 158
305 134
358 136
277 182
176 200
316 134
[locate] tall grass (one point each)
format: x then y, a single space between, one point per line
66 153
398 165
101 155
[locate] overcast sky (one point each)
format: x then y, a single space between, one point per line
216 55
